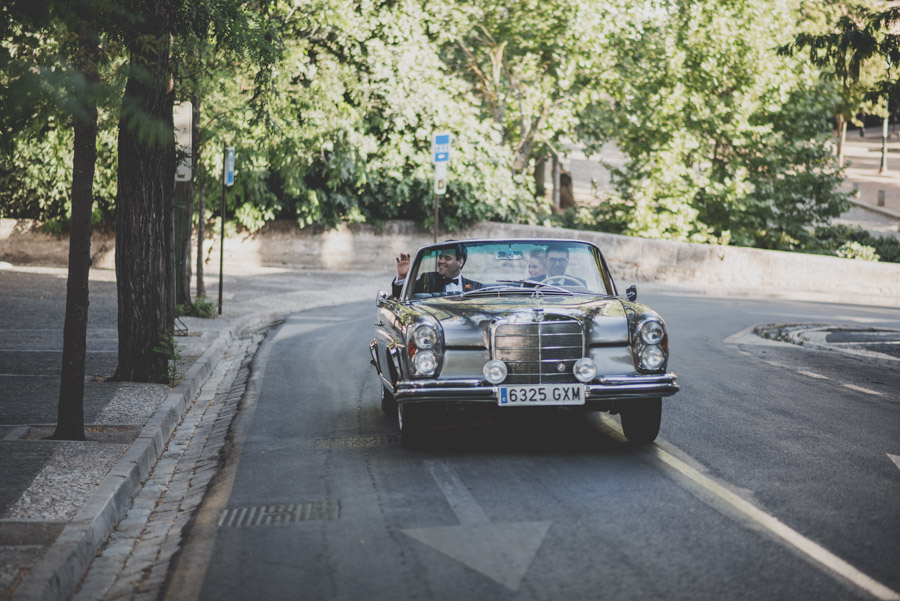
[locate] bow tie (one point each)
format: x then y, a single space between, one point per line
448 281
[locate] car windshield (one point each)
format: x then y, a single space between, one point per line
514 267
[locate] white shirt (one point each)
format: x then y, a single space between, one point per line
457 287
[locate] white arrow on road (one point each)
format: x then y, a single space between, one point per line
895 459
502 552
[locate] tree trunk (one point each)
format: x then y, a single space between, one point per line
556 183
184 211
201 201
145 204
842 136
540 176
70 408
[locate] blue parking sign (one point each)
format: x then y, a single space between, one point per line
441 148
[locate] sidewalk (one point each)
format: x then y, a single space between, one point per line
863 157
60 500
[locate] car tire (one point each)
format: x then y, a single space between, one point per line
641 419
414 425
388 402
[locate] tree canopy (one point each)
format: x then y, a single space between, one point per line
331 105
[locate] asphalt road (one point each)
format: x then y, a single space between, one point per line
772 478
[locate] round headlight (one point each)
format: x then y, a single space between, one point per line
652 332
424 336
653 357
585 370
425 363
494 371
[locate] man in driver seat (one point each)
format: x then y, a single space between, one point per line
557 263
446 279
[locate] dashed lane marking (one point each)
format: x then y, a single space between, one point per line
861 389
814 375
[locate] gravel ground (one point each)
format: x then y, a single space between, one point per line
63 486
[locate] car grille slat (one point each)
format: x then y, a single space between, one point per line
534 351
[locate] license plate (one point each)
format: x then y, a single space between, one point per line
541 394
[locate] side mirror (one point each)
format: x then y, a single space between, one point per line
380 298
631 293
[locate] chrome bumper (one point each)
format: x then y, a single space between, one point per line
478 391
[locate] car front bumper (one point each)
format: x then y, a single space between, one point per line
600 394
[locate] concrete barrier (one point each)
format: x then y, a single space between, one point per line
702 267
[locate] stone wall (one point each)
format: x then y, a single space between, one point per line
726 269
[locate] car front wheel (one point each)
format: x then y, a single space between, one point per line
641 419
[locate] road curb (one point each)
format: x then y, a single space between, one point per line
57 574
798 335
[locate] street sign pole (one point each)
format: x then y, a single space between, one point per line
435 216
440 157
227 180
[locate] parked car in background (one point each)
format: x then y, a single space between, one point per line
510 338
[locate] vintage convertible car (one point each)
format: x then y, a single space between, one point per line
532 323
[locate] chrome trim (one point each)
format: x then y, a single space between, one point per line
544 330
609 387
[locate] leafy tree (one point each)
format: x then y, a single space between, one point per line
533 65
840 38
145 206
63 80
724 137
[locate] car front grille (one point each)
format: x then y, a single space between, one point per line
542 352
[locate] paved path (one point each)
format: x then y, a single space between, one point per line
60 500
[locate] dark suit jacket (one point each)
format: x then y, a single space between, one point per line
432 281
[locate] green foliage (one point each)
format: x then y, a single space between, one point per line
331 105
842 240
202 307
36 175
172 351
855 250
726 139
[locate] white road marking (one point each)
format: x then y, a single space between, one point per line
895 459
814 375
861 389
502 552
833 564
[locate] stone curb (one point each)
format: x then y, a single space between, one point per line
58 572
799 335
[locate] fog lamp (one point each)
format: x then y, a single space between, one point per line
585 369
653 357
494 371
425 363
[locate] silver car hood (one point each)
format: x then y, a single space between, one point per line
466 322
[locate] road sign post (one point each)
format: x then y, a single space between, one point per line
441 158
227 181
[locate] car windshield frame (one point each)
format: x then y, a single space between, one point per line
502 266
